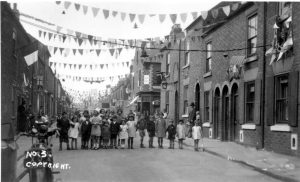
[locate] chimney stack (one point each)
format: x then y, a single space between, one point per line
16 11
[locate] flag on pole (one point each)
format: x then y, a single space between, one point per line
31 58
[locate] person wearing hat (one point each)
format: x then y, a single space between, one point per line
114 131
160 127
151 130
191 119
180 133
131 130
96 129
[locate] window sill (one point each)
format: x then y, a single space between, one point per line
206 125
251 58
280 127
185 116
248 126
186 66
207 74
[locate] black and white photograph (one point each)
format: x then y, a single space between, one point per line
150 91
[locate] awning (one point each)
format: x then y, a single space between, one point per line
133 100
237 60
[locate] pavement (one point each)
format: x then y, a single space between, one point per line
218 161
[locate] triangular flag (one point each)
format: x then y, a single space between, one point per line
173 18
80 51
114 13
40 33
123 15
54 65
57 2
95 41
55 49
80 41
78 34
215 13
65 64
204 14
123 64
127 63
226 10
45 34
61 50
95 11
85 9
67 4
74 52
77 6
235 6
141 18
120 50
31 58
105 13
90 37
58 28
64 38
101 65
183 17
80 66
70 66
194 15
91 66
152 15
75 66
162 18
131 16
50 48
98 51
106 65
111 51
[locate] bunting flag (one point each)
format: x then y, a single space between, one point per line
105 13
101 65
119 50
123 15
45 34
74 52
80 65
127 63
64 38
162 18
90 37
85 9
95 11
65 64
183 17
111 51
141 18
173 18
215 12
67 52
40 33
55 49
50 48
61 50
57 2
78 34
235 6
67 4
80 51
80 41
114 13
194 15
226 10
131 16
204 14
77 6
98 52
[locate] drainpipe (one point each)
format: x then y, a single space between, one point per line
263 79
179 55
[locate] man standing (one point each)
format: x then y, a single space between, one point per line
192 118
141 125
63 125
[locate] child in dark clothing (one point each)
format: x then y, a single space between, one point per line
86 127
151 130
171 133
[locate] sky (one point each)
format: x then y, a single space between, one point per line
106 28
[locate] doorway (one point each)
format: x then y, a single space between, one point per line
234 113
197 97
216 109
225 114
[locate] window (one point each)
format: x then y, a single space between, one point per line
208 57
281 97
206 106
167 101
185 99
250 98
283 7
252 35
168 64
187 55
140 78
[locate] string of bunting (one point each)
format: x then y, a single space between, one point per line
141 17
89 79
91 66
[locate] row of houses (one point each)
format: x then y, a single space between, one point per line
240 69
31 80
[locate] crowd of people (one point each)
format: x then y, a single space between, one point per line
105 129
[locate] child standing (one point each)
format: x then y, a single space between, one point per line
131 130
96 129
196 133
151 130
180 132
74 131
114 131
123 133
171 134
85 130
105 133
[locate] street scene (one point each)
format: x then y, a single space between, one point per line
150 91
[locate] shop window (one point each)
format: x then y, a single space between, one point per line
250 99
281 98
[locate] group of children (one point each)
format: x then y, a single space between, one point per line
98 130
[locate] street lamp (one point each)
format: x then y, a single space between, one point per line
164 85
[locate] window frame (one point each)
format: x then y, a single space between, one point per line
185 99
167 100
187 55
254 37
249 102
206 106
168 64
277 99
208 60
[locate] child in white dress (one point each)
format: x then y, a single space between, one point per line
196 134
123 133
74 131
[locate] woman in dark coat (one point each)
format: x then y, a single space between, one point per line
151 130
86 127
63 124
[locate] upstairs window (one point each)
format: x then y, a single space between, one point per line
208 57
168 64
281 97
252 35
